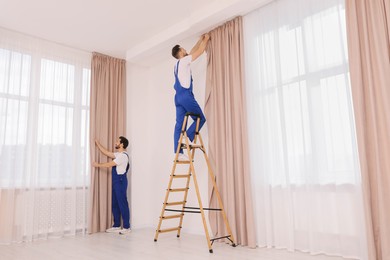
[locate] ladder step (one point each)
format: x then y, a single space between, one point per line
183 162
176 203
196 146
186 211
169 230
192 146
173 216
181 175
178 190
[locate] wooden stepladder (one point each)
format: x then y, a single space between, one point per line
167 205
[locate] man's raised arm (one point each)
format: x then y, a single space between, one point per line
202 46
196 46
104 150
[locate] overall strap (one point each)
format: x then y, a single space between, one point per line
177 69
128 162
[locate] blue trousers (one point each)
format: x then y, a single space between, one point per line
120 205
185 102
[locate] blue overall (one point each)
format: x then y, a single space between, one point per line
185 102
120 206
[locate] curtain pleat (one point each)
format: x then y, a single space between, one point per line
225 111
369 60
108 122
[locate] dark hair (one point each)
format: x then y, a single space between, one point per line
123 140
175 50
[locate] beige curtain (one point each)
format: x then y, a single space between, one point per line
108 122
368 30
227 127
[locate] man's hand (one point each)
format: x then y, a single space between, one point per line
95 164
196 52
99 146
104 150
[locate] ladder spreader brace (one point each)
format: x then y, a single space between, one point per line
191 172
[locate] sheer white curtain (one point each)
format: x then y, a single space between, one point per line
304 166
44 121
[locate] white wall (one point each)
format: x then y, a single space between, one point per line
151 119
137 108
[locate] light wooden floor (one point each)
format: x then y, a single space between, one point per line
140 245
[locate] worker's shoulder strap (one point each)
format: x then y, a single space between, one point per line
128 161
177 68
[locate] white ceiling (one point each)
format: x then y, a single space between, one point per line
117 27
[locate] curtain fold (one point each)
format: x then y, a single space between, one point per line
368 27
226 117
108 122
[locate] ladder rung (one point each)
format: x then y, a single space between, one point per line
183 162
186 211
196 145
181 175
176 203
169 230
172 216
184 146
178 190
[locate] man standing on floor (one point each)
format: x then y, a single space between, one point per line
184 99
120 166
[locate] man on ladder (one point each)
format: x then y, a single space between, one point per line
186 106
184 99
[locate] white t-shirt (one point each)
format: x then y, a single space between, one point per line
121 161
184 71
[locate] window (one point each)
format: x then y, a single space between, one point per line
300 88
44 120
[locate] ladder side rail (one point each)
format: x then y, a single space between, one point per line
189 168
212 177
170 180
165 202
187 184
201 207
